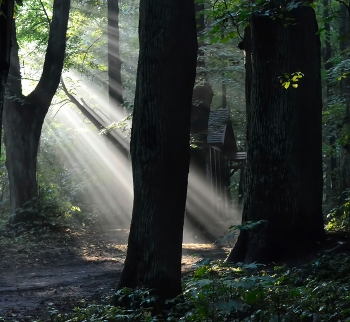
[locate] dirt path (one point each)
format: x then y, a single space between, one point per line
59 270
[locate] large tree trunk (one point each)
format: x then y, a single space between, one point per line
284 157
160 145
24 116
6 23
115 88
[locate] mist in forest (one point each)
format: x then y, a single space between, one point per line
107 176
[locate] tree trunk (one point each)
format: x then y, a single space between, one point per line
115 88
331 182
24 116
202 92
284 156
160 145
344 158
6 23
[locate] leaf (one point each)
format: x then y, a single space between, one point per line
295 85
286 85
200 272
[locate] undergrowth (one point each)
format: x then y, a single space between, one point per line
215 291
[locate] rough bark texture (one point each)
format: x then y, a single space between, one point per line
115 88
24 116
284 159
160 145
6 22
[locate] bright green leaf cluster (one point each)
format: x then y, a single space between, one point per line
291 79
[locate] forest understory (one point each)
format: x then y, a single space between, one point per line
52 271
45 271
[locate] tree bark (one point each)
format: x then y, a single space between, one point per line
6 23
284 155
160 146
115 88
24 116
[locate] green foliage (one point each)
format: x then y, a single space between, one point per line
228 19
135 305
339 217
218 292
123 125
61 188
291 79
233 230
102 313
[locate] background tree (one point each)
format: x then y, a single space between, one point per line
344 48
159 151
24 116
114 62
335 16
284 150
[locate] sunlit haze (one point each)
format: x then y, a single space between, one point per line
107 173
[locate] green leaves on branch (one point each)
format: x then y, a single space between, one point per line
123 125
229 18
292 79
343 76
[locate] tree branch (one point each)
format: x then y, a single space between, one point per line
47 16
50 78
345 5
113 137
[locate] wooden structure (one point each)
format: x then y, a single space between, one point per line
223 158
215 158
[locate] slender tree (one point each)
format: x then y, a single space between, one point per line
115 88
202 92
284 155
344 45
24 116
160 145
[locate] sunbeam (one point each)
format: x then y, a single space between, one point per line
108 171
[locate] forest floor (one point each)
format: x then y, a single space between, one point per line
60 269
